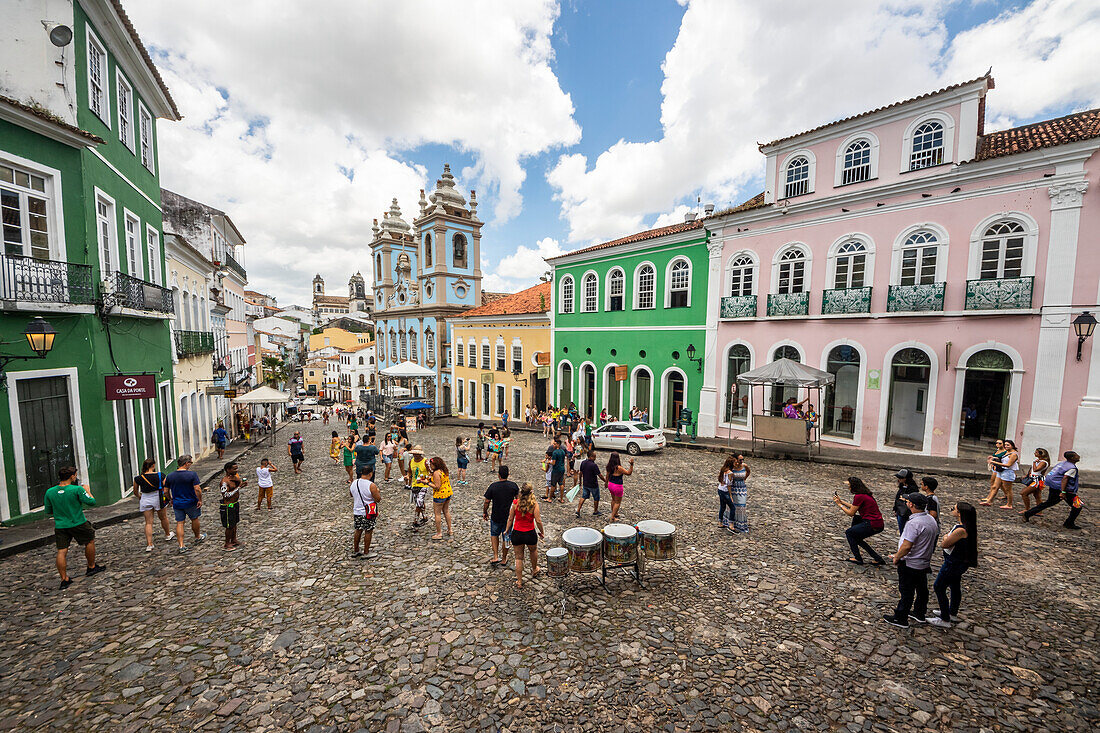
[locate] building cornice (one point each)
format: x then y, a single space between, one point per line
688 238
503 318
24 116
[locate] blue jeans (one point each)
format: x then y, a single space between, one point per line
724 502
857 536
949 579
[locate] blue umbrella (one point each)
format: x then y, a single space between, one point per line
417 406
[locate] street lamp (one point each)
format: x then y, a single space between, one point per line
40 335
1083 326
691 357
516 376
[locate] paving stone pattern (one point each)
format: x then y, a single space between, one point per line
765 631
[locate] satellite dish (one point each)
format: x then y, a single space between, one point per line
61 35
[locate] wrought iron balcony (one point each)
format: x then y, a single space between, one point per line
999 294
915 298
789 304
235 266
191 343
739 306
45 281
846 300
131 292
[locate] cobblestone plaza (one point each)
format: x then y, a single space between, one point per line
765 631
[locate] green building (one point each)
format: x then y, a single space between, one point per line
626 315
82 248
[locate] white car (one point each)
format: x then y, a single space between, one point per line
309 401
630 435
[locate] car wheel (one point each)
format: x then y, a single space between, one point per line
632 448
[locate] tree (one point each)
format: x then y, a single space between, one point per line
276 370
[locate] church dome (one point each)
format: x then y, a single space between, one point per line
445 191
392 221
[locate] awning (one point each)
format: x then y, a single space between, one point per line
262 396
787 373
407 370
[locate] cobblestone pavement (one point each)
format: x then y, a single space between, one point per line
765 631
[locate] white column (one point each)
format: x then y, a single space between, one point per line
1044 429
1088 412
708 395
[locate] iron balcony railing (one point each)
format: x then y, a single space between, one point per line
915 298
999 294
131 292
789 304
235 266
45 281
192 343
739 306
846 300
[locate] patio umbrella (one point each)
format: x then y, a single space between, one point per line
417 406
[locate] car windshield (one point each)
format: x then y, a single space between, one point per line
643 427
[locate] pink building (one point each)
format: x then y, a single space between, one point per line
933 268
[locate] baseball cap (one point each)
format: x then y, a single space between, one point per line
904 473
917 499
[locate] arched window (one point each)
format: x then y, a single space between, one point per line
429 346
370 360
588 305
738 361
378 266
567 294
460 250
927 146
842 396
427 250
616 289
1002 251
780 395
360 361
412 345
786 352
645 283
918 259
393 346
851 265
679 285
741 275
857 162
792 272
404 347
798 177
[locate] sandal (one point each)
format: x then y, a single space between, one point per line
1006 506
437 536
854 561
985 503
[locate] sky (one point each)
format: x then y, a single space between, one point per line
576 122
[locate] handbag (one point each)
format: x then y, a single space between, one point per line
165 494
372 507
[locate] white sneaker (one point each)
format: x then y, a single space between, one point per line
170 536
937 621
148 548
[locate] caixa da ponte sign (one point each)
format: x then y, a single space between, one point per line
130 386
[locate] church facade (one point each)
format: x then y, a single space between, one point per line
425 274
327 307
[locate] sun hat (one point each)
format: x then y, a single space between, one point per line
417 449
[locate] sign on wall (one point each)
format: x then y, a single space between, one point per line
542 358
542 372
874 377
620 372
487 378
130 386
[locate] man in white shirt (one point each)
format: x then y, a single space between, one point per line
364 498
265 482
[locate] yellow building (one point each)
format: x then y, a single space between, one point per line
501 356
338 337
313 374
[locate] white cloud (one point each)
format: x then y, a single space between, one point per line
279 99
742 73
522 268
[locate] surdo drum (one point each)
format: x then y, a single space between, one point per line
658 539
620 544
585 547
557 562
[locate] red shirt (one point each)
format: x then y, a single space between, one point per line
526 522
867 508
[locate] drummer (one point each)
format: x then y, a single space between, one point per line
523 518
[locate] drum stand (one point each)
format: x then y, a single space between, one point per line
632 569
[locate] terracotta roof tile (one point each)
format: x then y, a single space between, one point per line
756 202
45 115
1045 134
953 87
145 55
532 300
637 237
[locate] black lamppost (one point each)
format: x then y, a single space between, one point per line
40 335
1083 326
691 357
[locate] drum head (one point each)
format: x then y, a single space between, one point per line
557 552
619 531
581 537
656 527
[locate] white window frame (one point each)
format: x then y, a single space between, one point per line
98 49
942 242
517 356
869 259
807 256
1031 242
948 123
753 267
471 355
811 159
592 278
501 401
607 288
637 290
486 355
106 269
500 356
517 402
414 339
132 248
145 128
668 280
124 97
460 353
152 252
55 233
472 397
567 297
872 139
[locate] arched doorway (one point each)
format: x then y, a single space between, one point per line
841 406
588 391
738 361
782 394
985 396
643 388
565 384
910 372
673 392
614 393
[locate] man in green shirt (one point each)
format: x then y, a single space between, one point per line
65 503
